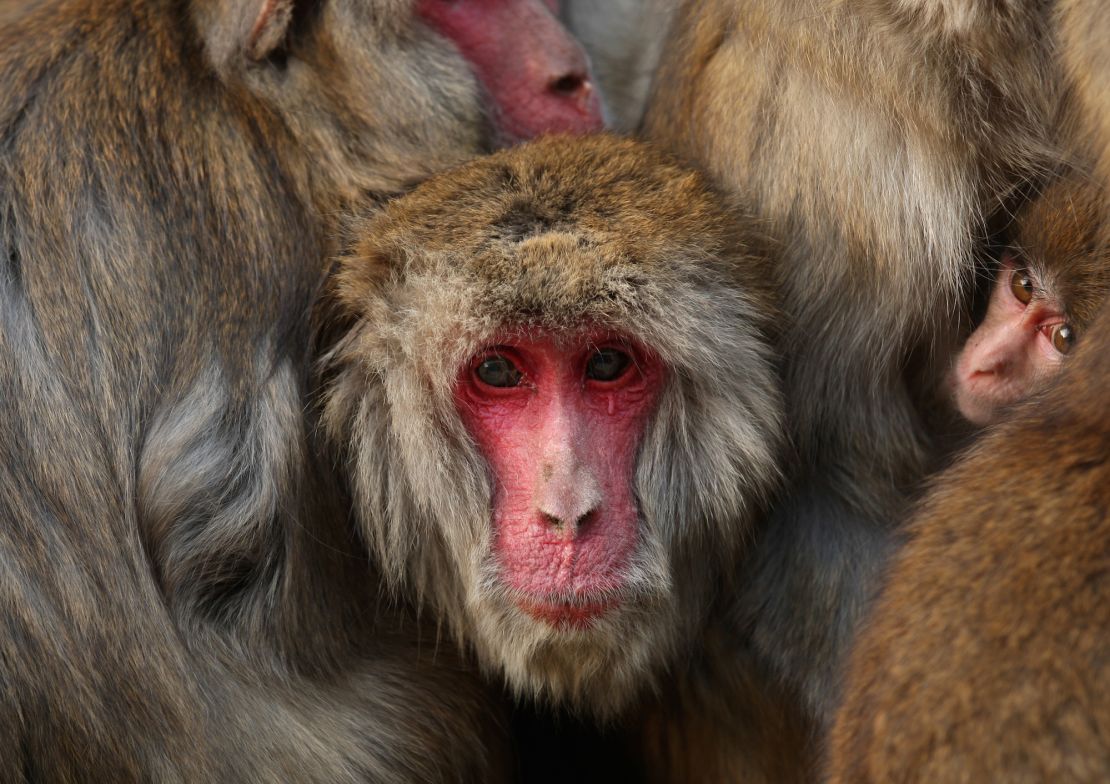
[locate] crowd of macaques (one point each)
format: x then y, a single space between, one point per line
531 390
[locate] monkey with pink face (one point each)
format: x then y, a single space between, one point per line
548 376
985 658
1050 283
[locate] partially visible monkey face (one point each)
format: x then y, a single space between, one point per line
391 91
1020 343
559 419
557 408
537 74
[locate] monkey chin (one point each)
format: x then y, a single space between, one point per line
593 654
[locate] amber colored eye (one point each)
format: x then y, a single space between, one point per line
498 371
1021 284
607 364
1063 338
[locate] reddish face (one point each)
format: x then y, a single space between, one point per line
559 423
1021 342
535 73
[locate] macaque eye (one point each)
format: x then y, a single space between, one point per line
498 371
1021 284
1063 338
607 364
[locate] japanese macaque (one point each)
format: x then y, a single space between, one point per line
551 387
1049 285
182 595
873 140
986 657
624 39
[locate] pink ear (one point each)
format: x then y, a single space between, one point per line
270 27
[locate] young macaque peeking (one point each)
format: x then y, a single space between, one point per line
553 392
1049 285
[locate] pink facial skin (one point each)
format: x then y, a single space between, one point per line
562 450
535 72
1008 354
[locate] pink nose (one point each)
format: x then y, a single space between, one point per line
575 106
568 492
569 499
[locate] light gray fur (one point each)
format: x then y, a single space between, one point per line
624 39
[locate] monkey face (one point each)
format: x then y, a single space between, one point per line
1021 343
559 423
557 407
558 419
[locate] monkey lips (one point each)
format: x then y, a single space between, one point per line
567 615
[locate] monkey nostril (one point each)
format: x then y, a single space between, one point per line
559 524
585 521
568 85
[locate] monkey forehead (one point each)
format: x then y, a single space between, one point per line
1063 238
556 231
623 200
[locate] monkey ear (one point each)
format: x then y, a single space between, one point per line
236 29
270 27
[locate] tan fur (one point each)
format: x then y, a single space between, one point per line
1084 27
555 234
986 658
181 597
875 139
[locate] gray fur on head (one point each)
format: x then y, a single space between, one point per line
557 235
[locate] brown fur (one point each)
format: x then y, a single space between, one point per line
1084 27
874 139
555 234
182 599
1061 235
694 730
986 658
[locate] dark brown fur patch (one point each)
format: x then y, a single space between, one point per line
1062 233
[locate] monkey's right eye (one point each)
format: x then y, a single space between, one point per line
1021 285
497 371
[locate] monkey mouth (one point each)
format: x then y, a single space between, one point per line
567 614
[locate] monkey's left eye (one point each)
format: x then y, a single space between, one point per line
1062 337
607 364
1021 284
498 371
